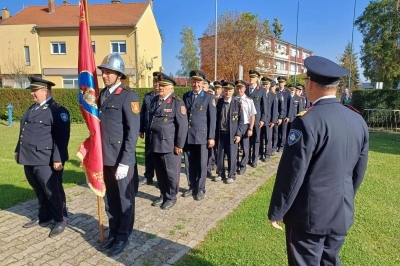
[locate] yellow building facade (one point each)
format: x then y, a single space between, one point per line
50 49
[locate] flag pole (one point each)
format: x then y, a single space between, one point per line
99 200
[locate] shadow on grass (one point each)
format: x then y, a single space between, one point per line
382 142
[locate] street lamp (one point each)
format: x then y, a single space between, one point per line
351 48
216 41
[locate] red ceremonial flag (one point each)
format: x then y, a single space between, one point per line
90 151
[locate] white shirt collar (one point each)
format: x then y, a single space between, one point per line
45 101
113 88
166 96
229 101
324 97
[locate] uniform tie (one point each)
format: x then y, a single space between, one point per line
35 107
106 95
160 101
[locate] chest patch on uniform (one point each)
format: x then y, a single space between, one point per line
64 117
167 110
183 110
135 107
294 136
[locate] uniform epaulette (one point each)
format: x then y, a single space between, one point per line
176 97
302 113
352 108
56 104
127 88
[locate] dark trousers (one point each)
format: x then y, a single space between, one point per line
224 147
47 184
148 163
266 141
120 202
168 170
282 134
254 149
196 158
275 137
211 158
310 249
289 125
245 144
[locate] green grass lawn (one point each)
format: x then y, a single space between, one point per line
14 188
245 237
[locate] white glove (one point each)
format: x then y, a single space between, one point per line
122 171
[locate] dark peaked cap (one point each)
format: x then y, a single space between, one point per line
324 71
38 83
165 80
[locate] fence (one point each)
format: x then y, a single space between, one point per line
382 119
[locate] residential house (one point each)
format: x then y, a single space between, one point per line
43 41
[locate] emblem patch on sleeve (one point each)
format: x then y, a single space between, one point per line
64 117
294 136
135 107
183 110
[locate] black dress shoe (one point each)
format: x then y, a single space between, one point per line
117 248
149 182
273 153
242 171
263 160
167 205
280 150
35 222
107 244
58 228
254 165
266 159
157 202
187 193
209 174
142 181
199 195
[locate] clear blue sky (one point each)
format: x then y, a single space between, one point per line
325 26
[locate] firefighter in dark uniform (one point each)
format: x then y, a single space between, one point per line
42 149
119 111
272 117
293 103
230 128
168 131
144 131
283 96
201 114
257 93
321 169
302 102
306 101
281 115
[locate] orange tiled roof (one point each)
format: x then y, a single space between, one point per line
68 15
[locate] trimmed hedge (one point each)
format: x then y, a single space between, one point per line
376 99
21 100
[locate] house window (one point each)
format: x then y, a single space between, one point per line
58 48
279 65
118 47
293 52
94 47
27 56
293 67
70 82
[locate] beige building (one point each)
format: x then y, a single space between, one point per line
43 41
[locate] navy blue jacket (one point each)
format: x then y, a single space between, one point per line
145 112
201 116
169 124
284 99
272 108
236 120
322 166
260 102
120 121
44 135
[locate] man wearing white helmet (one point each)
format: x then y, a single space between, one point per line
120 119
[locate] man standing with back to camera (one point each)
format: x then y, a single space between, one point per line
119 113
321 169
42 149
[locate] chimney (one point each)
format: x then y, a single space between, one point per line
115 1
5 13
66 3
52 7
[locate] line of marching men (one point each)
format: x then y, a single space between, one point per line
208 126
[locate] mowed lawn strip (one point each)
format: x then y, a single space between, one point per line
14 188
246 238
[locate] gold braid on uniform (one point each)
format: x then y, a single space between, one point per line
56 104
352 108
176 97
302 113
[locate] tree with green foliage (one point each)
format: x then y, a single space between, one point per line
380 53
278 28
347 58
300 79
188 54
